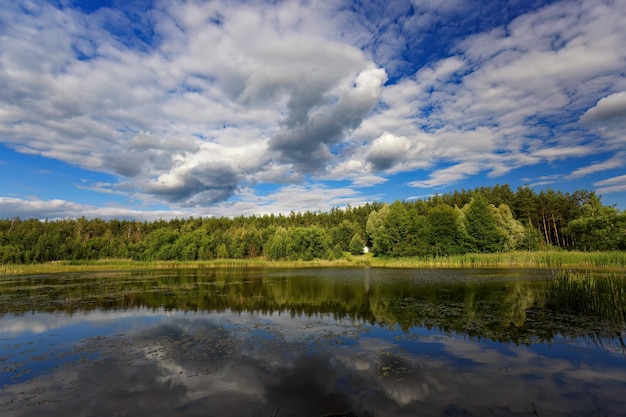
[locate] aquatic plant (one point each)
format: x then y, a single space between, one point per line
596 294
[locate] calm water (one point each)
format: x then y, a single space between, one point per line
306 342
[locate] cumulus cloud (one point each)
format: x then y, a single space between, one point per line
387 149
298 198
215 94
368 180
607 108
202 184
305 142
509 97
190 103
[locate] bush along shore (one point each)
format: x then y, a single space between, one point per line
484 227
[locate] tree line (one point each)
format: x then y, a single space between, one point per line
485 219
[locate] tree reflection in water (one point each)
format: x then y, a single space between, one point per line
302 343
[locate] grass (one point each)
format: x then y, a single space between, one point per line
518 259
128 264
600 295
541 259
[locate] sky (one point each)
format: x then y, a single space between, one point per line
148 109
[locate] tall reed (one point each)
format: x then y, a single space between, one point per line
602 295
554 259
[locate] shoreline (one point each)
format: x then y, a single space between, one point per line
541 259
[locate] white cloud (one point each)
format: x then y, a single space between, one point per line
611 185
387 149
368 181
616 161
297 198
305 142
447 175
607 108
202 101
60 209
437 74
215 97
517 94
557 152
542 180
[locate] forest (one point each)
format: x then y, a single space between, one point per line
482 220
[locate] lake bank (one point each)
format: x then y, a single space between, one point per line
539 259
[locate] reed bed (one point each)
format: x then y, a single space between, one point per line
540 259
129 265
518 259
602 295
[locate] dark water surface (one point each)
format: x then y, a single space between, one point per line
305 342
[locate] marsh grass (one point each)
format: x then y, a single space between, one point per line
518 259
542 259
593 294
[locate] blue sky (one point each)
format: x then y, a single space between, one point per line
160 109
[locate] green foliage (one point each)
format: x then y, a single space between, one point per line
490 220
446 234
377 230
512 230
531 240
342 235
11 254
482 226
277 247
599 228
221 252
356 245
309 243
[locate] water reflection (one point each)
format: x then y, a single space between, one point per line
500 305
271 344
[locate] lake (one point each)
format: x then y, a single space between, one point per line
303 342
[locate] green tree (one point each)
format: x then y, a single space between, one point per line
278 245
397 225
221 251
446 235
356 244
159 244
11 254
482 226
342 234
309 243
532 239
513 231
377 231
599 228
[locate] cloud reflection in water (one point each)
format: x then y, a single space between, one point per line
231 364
